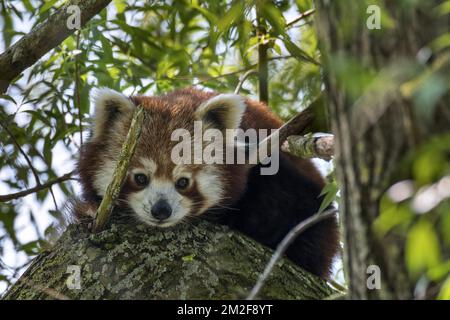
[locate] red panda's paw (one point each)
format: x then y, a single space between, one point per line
79 211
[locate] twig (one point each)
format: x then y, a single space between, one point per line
12 196
77 88
113 190
284 244
209 78
27 159
53 198
310 146
337 286
296 125
243 78
300 17
263 69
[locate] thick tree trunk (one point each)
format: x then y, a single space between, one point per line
373 130
201 261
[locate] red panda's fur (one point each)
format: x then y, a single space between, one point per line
263 207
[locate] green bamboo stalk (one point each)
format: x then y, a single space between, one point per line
120 172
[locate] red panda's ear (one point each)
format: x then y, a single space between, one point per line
223 111
109 106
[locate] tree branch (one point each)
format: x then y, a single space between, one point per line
113 190
27 159
242 80
283 245
296 125
310 146
48 184
77 88
221 271
46 36
263 69
209 78
300 17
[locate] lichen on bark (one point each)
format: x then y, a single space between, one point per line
189 261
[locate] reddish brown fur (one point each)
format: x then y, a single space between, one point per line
176 110
165 114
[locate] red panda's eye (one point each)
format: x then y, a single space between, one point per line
182 183
141 179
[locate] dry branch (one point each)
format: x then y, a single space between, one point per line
284 244
295 125
46 36
48 184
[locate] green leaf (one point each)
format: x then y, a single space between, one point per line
428 165
230 17
189 258
32 247
392 216
330 191
48 4
9 98
48 150
445 224
274 16
296 51
444 294
107 49
210 16
422 248
120 5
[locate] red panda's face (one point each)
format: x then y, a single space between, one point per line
166 199
159 191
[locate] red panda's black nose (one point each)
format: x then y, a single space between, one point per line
161 210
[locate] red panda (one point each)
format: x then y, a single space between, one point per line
161 193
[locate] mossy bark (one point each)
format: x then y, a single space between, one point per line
200 261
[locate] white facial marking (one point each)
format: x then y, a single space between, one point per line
149 165
210 186
141 202
104 176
